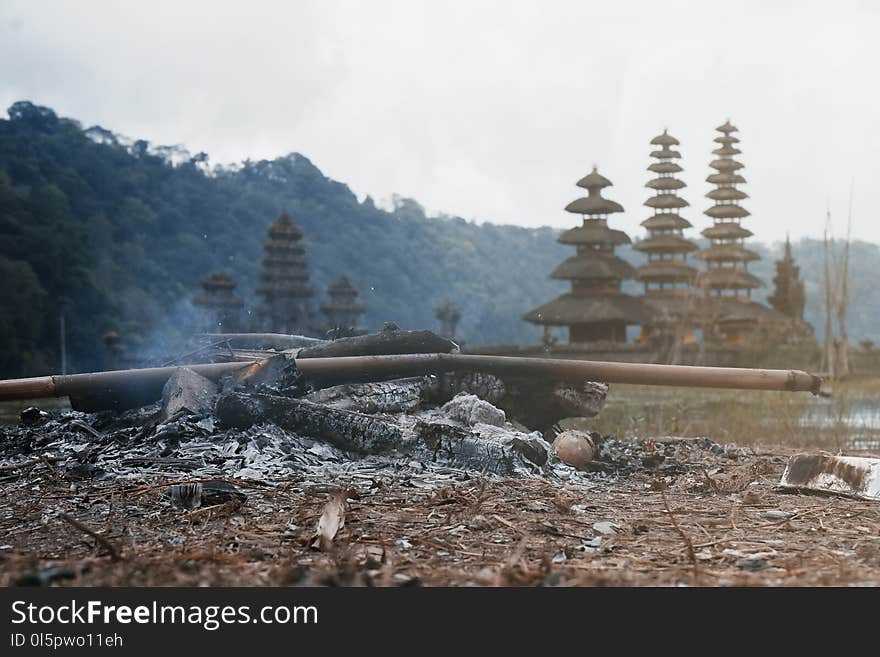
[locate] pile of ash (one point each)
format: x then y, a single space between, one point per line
264 437
268 423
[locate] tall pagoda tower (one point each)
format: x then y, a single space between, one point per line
284 289
726 273
596 309
221 307
728 310
667 276
341 310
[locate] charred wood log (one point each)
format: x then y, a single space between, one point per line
400 396
386 342
536 403
501 452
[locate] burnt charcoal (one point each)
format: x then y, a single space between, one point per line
145 416
33 416
48 576
427 438
398 396
187 393
535 403
79 470
206 493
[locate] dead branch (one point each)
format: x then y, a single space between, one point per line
115 554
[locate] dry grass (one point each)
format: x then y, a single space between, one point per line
743 417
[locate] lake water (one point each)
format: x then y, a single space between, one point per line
860 418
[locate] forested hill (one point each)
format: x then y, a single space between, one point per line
116 234
119 234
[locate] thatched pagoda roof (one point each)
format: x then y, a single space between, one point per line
662 271
725 179
569 309
594 205
664 140
728 278
727 194
665 183
594 231
666 202
594 266
665 154
666 221
728 253
727 150
665 167
725 165
284 228
660 243
728 310
218 280
594 180
726 139
727 128
726 231
727 212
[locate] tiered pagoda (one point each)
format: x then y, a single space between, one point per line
726 258
667 277
284 289
220 306
596 309
342 311
726 282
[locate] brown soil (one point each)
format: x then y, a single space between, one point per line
709 527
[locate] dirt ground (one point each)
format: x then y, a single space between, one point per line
720 523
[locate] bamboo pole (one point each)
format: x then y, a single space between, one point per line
147 383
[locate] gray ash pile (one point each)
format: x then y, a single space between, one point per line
268 423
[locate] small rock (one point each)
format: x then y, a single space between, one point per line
575 448
605 527
775 515
593 545
478 523
751 564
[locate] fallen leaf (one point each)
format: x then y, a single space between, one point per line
331 521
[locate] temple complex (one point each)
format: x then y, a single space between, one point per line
667 276
595 309
342 311
284 290
220 306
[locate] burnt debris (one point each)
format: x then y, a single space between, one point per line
266 420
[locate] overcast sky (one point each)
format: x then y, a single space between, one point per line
487 110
